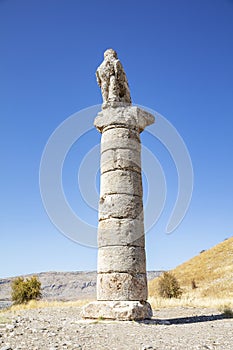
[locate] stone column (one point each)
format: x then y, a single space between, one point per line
122 280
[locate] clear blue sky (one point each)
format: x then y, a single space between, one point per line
178 57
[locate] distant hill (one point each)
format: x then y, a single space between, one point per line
63 285
212 271
58 285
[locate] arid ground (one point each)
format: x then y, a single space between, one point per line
62 328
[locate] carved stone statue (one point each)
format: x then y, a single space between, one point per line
112 80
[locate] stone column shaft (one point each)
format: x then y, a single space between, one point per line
121 255
121 240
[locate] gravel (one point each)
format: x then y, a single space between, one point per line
4 304
63 328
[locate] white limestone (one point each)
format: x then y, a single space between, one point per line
125 259
121 286
121 182
121 232
118 310
133 117
121 281
121 158
120 206
112 79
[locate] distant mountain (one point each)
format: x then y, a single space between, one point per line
211 270
63 285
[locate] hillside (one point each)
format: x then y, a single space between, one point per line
212 271
58 285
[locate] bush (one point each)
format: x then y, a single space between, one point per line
226 311
193 284
24 290
168 286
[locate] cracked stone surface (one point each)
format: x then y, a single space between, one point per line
129 259
122 286
121 232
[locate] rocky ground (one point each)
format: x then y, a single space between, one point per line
63 328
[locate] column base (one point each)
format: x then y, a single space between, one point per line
122 310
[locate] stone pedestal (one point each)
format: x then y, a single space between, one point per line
121 281
118 310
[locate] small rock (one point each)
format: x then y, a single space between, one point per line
10 327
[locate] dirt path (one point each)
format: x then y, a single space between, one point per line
62 328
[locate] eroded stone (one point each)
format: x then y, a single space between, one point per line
125 159
122 259
131 117
120 206
112 80
117 310
120 138
121 182
121 255
121 286
114 232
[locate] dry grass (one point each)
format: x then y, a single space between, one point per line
41 304
189 301
212 272
4 320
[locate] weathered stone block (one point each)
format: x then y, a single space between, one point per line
120 206
125 159
121 286
113 232
121 182
132 117
117 310
118 138
121 259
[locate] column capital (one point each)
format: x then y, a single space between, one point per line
131 117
